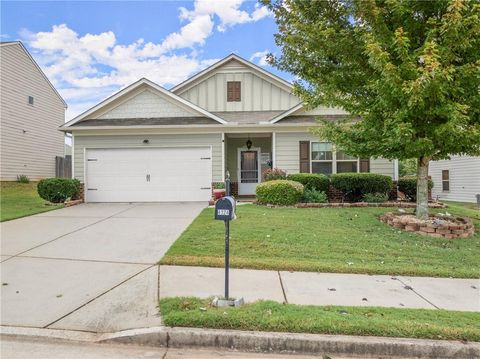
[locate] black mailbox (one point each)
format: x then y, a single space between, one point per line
225 209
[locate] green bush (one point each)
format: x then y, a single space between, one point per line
375 197
408 185
356 185
315 181
23 179
279 192
313 196
272 174
58 190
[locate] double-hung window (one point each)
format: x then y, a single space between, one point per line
326 160
445 180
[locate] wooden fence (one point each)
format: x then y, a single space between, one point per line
63 166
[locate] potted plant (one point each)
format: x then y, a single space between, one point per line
218 190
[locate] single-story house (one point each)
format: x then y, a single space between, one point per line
146 143
456 179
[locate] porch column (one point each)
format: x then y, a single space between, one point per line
223 156
274 147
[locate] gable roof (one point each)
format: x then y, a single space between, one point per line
196 78
134 86
19 43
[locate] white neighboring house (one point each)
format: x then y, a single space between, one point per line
31 110
457 179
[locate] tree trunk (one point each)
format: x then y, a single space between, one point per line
422 187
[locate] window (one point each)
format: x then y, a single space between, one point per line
322 158
234 91
445 180
30 100
326 160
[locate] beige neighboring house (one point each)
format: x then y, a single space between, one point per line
31 110
146 143
456 179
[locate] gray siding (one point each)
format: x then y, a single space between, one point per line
287 154
123 141
30 139
464 174
257 93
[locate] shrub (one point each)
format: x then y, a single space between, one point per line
23 179
314 181
356 185
219 185
57 190
375 197
279 192
408 185
272 174
314 196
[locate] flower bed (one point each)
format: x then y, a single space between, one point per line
365 204
434 226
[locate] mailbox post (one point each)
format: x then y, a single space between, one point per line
225 211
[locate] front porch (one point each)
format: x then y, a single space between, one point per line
246 157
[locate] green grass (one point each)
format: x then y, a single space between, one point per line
344 240
20 200
275 317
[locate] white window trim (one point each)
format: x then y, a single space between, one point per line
334 160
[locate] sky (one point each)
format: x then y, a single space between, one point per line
90 49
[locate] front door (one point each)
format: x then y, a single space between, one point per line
248 170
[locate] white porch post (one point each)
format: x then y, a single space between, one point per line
223 156
395 170
274 148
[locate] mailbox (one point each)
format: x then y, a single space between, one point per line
225 209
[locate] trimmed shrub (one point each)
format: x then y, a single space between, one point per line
314 181
313 196
58 190
23 179
356 185
279 192
408 185
375 197
272 174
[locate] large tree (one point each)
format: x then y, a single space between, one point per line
409 69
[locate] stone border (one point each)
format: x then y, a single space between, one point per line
367 204
270 342
461 228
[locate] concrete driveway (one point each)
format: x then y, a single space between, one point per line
89 267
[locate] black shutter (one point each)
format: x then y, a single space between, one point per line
304 156
365 165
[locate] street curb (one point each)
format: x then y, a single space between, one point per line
266 342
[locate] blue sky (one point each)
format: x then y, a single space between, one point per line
90 50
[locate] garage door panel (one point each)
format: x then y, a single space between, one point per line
149 174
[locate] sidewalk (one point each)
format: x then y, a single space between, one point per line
323 288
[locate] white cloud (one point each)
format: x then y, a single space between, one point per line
88 68
260 57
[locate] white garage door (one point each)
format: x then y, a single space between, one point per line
148 174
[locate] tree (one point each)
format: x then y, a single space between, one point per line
410 70
407 167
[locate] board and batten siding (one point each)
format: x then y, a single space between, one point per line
257 94
29 134
464 178
287 154
131 141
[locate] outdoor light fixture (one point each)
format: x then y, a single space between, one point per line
249 143
146 141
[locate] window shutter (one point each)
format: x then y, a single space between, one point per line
304 156
230 93
234 90
365 165
237 90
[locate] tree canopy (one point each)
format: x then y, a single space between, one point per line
409 69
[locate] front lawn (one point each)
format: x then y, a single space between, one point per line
20 200
345 240
275 317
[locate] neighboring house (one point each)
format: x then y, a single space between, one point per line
146 143
456 179
31 111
